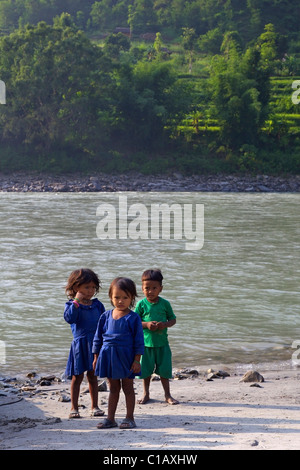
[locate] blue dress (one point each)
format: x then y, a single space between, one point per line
118 341
83 321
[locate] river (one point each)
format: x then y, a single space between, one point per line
235 293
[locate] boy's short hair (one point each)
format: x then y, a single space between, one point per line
152 275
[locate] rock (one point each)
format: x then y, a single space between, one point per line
64 398
27 388
192 372
45 383
155 377
102 386
263 188
49 377
60 187
185 374
50 421
252 376
222 373
211 374
30 375
48 380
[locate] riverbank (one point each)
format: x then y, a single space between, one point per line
216 412
33 182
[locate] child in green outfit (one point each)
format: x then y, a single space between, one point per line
157 316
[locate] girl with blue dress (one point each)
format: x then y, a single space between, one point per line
118 345
82 312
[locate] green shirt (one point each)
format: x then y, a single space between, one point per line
160 311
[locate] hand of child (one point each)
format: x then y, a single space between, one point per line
152 325
136 367
79 296
95 361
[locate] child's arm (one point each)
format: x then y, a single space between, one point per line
136 366
166 324
151 325
95 361
138 344
98 340
170 316
71 312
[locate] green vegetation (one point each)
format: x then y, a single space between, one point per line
150 85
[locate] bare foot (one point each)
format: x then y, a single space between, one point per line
172 401
144 400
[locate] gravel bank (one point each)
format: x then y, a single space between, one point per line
20 182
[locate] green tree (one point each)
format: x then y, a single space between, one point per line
189 42
268 46
163 10
239 98
150 102
231 41
143 16
101 15
158 45
211 41
15 13
114 44
108 14
58 86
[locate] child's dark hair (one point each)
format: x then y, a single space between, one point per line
79 277
152 275
127 285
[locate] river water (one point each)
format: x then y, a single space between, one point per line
236 299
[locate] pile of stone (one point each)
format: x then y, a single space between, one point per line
21 182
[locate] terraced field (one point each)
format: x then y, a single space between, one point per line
284 114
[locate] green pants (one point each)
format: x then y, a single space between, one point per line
158 361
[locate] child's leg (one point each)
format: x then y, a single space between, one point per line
128 422
114 393
75 388
127 386
146 396
148 365
166 386
93 388
164 370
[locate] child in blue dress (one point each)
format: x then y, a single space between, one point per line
118 345
82 313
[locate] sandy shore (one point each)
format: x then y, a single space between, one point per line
221 414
